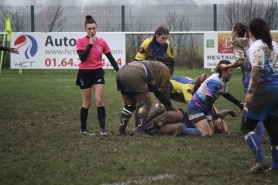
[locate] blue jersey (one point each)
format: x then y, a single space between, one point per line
213 86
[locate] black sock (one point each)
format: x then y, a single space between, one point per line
83 117
101 117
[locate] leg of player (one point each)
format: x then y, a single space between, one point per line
260 131
252 139
86 98
144 103
204 127
155 113
271 125
136 117
169 129
99 92
129 107
167 117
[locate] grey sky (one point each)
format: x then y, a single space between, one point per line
89 2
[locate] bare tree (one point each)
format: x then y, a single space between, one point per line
245 10
134 24
56 17
18 18
184 46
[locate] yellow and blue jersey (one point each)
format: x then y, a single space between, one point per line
182 86
150 50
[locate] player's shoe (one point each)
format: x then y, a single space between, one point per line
103 133
259 167
133 132
87 132
179 132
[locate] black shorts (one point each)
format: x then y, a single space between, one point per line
87 78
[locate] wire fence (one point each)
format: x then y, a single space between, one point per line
142 18
116 18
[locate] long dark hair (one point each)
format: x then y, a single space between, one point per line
218 69
89 20
260 30
241 30
159 31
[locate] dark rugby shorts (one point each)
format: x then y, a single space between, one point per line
87 78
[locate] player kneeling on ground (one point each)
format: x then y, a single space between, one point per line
200 108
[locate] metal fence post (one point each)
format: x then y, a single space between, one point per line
214 17
32 19
123 18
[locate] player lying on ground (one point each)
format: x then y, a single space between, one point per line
177 123
181 88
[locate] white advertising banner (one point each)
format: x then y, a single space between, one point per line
218 46
57 50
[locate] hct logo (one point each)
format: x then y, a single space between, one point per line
30 42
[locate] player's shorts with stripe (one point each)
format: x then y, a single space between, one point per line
87 78
186 120
264 102
132 80
196 113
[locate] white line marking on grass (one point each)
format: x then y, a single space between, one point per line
145 180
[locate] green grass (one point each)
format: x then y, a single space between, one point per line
41 144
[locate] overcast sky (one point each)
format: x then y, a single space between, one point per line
86 2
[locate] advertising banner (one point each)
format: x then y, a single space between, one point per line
57 50
218 46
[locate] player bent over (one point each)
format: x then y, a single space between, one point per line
135 81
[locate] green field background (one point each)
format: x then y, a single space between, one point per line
41 143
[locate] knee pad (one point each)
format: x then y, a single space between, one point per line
129 108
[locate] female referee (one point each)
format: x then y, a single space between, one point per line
90 73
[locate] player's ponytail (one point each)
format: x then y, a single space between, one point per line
260 30
241 30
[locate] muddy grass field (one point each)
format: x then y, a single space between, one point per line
41 143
